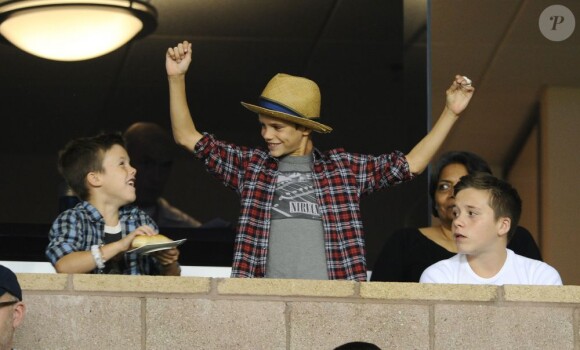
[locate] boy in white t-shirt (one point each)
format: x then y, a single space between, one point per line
486 213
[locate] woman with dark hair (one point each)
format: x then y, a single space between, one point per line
409 251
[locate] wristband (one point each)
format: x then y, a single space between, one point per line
96 251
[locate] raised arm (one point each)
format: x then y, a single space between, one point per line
458 96
177 60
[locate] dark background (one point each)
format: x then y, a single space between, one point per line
368 57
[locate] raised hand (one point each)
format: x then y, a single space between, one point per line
178 58
459 94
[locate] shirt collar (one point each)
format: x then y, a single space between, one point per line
96 216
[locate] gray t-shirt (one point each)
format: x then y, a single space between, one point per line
296 241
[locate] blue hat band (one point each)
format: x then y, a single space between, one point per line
262 102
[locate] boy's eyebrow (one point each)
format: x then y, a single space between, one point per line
464 205
472 207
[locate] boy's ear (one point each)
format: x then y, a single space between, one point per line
94 179
305 130
504 225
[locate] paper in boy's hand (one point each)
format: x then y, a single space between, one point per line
467 81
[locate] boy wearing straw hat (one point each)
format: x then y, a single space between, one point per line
300 214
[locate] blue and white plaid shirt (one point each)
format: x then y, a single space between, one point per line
79 228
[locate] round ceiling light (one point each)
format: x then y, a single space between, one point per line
74 30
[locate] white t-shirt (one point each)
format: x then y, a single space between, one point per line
516 270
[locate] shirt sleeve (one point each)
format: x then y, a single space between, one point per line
428 276
547 275
382 171
436 273
65 236
224 161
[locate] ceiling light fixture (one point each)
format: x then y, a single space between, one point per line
74 30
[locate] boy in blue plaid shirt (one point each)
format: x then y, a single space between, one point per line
95 235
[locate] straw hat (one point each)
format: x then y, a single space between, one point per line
294 99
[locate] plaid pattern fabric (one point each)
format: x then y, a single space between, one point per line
79 228
340 178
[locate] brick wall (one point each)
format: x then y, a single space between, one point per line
149 312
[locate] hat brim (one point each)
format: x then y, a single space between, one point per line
309 123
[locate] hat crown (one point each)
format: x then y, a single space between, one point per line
293 99
299 94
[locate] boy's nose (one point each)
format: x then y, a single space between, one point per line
457 222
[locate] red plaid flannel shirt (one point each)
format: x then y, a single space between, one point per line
340 179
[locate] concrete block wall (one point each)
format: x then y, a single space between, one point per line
154 312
